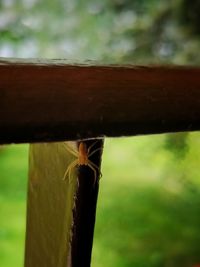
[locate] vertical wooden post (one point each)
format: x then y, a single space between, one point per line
60 214
85 210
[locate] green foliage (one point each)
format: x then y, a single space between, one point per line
148 209
137 32
13 181
147 213
190 15
14 171
177 144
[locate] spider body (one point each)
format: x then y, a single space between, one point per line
82 159
82 154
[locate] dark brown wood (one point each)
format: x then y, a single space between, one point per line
53 100
60 214
85 210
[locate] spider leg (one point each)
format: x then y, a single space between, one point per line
94 167
90 154
69 168
97 167
94 170
70 149
90 147
93 164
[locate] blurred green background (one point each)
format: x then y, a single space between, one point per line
149 200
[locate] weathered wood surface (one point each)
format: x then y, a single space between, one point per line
49 208
53 100
60 215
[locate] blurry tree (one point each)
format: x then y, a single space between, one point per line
137 32
177 144
189 14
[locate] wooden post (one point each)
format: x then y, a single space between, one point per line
60 214
84 215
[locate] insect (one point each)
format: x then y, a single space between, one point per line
82 154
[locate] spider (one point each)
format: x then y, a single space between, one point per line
82 154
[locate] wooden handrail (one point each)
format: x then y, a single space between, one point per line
53 100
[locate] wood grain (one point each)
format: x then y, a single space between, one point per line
50 206
53 100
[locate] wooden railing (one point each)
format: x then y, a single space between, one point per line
51 101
